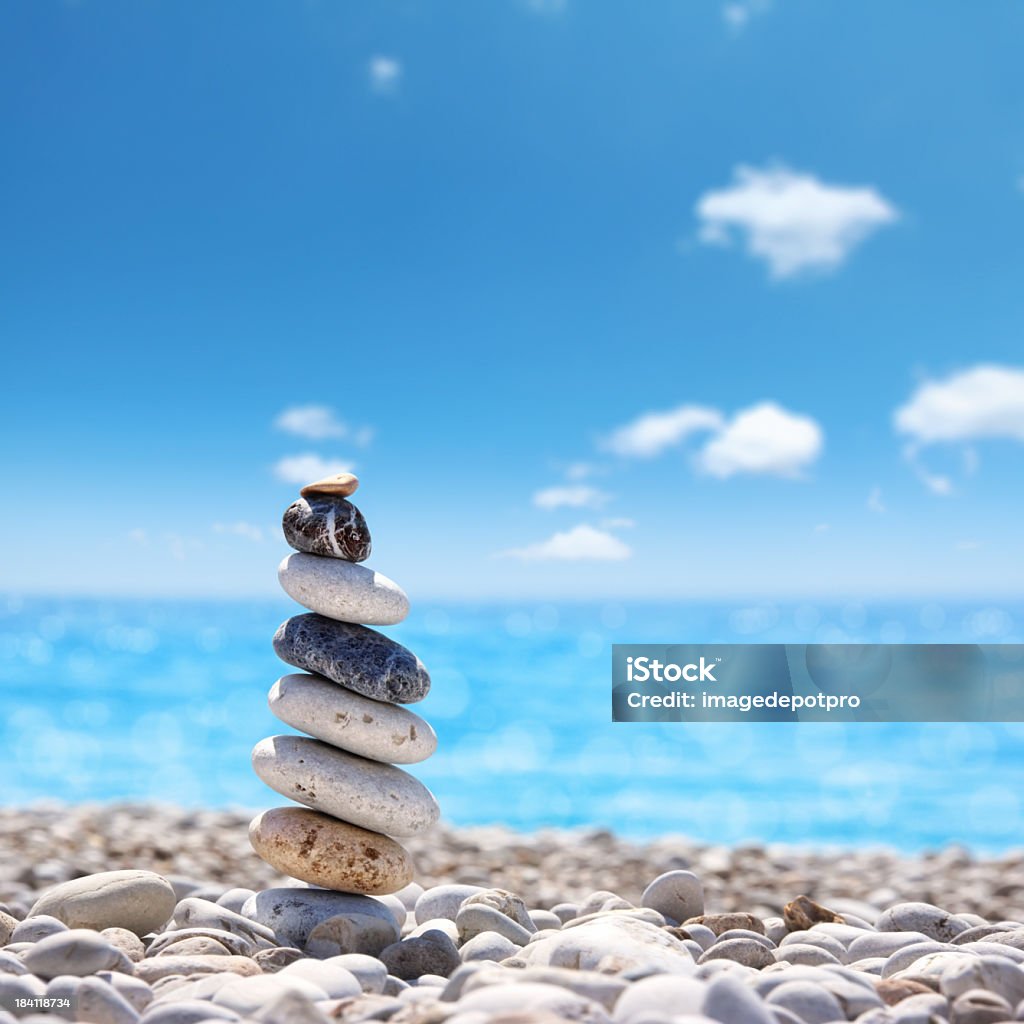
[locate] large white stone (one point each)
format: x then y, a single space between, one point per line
336 715
376 796
342 590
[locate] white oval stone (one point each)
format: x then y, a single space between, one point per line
336 715
375 796
342 590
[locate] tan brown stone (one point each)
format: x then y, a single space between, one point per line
895 990
319 849
803 913
153 968
719 923
339 486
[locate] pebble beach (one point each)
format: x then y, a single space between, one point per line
498 926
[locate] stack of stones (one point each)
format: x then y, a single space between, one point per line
347 701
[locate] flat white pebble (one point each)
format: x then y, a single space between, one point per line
342 590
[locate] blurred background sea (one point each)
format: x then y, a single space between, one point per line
163 700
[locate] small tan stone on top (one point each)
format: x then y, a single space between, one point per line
341 485
319 849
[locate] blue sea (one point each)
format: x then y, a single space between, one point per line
163 700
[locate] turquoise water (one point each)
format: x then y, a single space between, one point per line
163 700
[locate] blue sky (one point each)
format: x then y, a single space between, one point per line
674 298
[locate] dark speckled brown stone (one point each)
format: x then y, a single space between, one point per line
356 657
322 525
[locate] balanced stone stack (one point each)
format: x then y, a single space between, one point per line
347 701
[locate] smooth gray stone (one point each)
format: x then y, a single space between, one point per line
729 1000
882 944
611 944
234 899
932 921
323 525
992 973
544 919
99 1003
25 986
77 951
531 997
441 924
342 590
980 1007
367 970
475 918
292 914
140 901
505 902
197 914
902 958
64 991
336 981
347 720
292 1008
443 901
678 895
805 954
356 657
374 796
134 990
187 1011
812 938
10 963
249 995
743 951
605 989
433 952
234 943
488 946
744 933
656 993
272 960
809 1001
36 927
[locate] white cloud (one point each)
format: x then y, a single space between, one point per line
653 432
385 73
822 527
573 496
138 536
305 468
582 543
317 422
240 529
763 439
875 502
967 545
791 220
985 401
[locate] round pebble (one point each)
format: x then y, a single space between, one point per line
139 901
377 797
353 656
342 590
344 719
329 526
333 854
